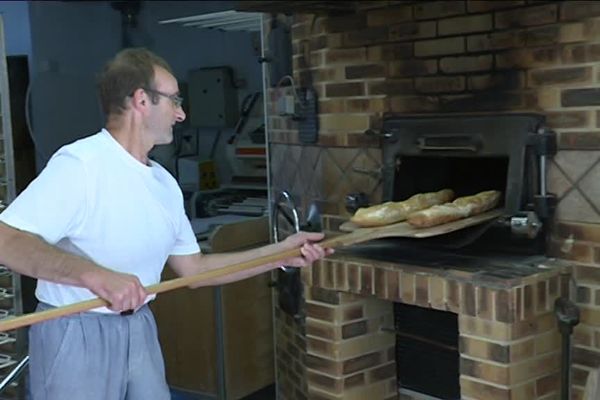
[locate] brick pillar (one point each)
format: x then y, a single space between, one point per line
512 349
349 356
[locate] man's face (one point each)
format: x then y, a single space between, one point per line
165 113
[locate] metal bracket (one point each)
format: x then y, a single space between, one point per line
526 224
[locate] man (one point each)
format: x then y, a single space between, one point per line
101 220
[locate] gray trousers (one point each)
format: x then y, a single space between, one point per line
92 356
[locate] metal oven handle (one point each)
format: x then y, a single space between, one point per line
448 143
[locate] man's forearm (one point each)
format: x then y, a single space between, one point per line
209 262
30 255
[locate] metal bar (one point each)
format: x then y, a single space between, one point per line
565 376
14 373
543 189
220 333
421 339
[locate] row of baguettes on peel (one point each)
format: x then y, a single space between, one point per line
392 212
427 209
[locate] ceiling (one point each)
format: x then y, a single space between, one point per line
301 7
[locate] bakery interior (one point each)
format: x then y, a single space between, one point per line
301 113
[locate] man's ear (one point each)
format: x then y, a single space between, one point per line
139 99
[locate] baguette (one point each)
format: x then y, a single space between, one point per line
463 207
392 212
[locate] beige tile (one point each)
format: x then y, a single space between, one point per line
557 181
576 208
338 194
590 185
331 174
343 157
575 162
307 174
362 173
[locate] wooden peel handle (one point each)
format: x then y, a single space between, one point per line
30 319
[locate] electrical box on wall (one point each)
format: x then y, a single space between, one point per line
213 98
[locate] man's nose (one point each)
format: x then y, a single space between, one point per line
179 114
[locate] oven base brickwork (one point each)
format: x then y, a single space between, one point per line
509 341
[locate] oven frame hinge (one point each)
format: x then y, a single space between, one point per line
544 145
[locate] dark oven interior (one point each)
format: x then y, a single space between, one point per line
470 154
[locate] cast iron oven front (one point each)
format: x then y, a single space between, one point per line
469 154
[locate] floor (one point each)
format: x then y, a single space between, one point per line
268 393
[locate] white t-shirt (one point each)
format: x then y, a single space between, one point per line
96 200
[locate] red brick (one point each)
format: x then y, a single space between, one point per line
544 36
580 141
346 22
440 84
478 6
537 15
466 64
380 283
366 71
438 47
578 252
568 119
362 362
401 104
389 52
319 312
388 15
367 105
495 41
468 300
412 30
580 53
588 274
332 106
367 280
527 58
364 37
547 384
560 75
345 56
422 290
438 9
577 10
344 89
499 80
393 285
411 68
467 24
542 290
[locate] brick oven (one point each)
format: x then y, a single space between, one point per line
387 60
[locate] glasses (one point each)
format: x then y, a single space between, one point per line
175 99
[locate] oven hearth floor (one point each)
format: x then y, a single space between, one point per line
485 266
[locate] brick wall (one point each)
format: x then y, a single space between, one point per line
455 56
508 345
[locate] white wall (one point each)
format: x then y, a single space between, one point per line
70 43
16 27
72 40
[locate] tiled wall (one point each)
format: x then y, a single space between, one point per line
455 56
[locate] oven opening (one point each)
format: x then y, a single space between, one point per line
427 355
465 175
